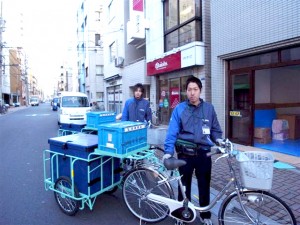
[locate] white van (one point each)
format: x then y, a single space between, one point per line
72 108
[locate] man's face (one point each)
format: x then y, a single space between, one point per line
193 93
138 93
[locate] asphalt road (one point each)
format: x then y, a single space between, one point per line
23 199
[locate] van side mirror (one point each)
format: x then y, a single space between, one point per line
58 104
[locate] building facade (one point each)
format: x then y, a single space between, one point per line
124 60
90 50
255 58
178 46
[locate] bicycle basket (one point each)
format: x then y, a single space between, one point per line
256 169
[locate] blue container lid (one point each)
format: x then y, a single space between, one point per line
102 113
123 125
85 142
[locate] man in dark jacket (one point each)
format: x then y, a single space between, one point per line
137 109
194 123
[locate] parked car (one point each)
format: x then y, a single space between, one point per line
16 104
54 103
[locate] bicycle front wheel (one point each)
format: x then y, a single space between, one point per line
137 184
262 208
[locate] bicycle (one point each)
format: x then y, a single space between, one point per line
3 109
156 118
149 196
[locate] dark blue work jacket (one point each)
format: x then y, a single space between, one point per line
190 123
137 110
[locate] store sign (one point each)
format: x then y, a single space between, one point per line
136 23
192 56
163 65
235 113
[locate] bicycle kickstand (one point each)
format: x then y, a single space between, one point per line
179 222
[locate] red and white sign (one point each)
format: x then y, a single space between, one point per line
137 5
163 65
191 56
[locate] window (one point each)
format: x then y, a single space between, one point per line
97 39
171 15
186 10
290 54
182 22
112 10
99 70
100 96
112 51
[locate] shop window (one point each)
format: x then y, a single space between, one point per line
290 54
255 60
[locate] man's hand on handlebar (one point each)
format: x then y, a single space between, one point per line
220 141
166 156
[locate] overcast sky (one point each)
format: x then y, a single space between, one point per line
49 32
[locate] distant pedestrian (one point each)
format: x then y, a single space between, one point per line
95 107
137 109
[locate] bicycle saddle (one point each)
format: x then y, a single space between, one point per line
173 163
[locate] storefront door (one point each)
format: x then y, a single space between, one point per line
240 108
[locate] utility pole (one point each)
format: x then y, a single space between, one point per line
26 82
1 46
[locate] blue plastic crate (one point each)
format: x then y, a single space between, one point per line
122 137
96 118
103 171
71 126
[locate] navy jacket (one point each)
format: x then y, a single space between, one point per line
187 122
137 110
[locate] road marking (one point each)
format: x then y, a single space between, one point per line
46 114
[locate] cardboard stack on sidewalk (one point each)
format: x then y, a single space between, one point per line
262 135
280 129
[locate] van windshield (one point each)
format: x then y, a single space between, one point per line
74 101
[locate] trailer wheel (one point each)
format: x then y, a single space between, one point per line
64 196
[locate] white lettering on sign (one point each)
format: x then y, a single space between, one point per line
161 65
107 114
133 128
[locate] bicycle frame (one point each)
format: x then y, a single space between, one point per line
177 207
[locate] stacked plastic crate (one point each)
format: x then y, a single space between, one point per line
122 138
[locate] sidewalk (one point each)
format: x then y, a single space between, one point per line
286 182
14 109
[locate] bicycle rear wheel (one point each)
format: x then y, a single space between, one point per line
135 188
263 208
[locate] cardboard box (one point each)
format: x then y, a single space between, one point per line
263 140
279 125
281 136
262 132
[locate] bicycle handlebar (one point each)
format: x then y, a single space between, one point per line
156 147
225 147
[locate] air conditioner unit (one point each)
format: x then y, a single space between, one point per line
119 62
